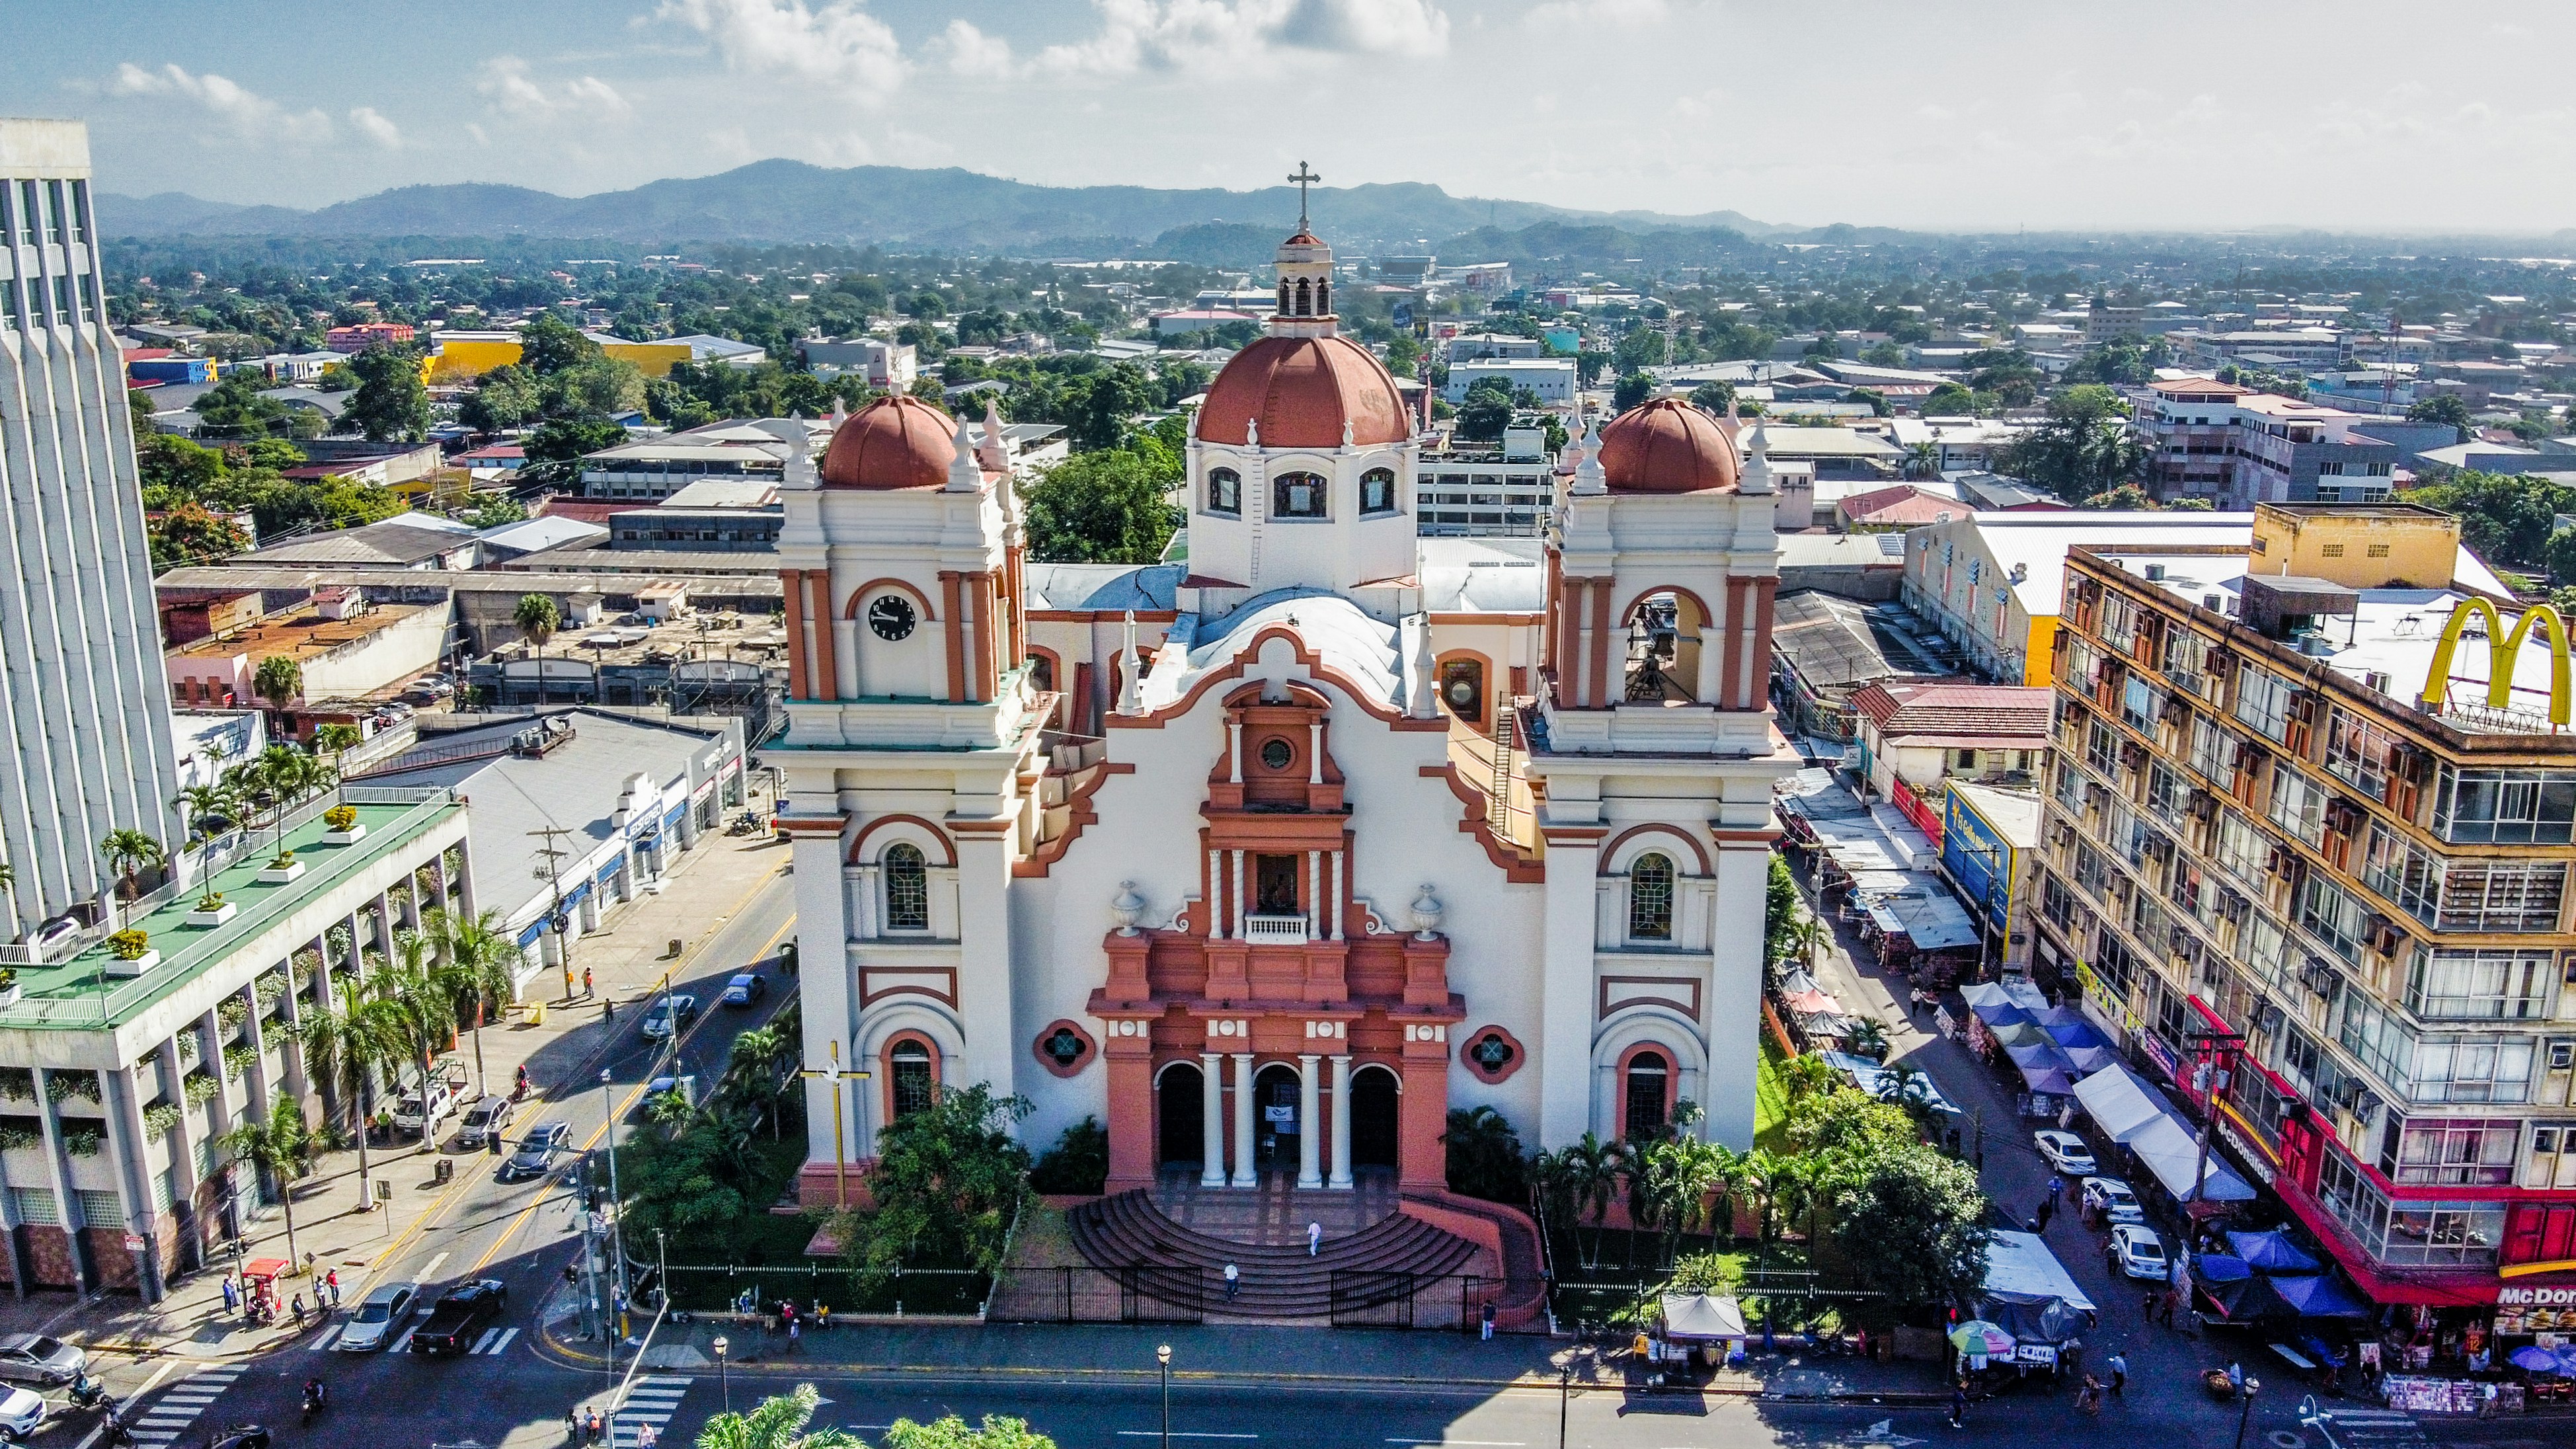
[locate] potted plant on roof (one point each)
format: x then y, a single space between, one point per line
130 953
211 909
337 740
344 827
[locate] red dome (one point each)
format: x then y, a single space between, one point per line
1667 446
894 442
1302 389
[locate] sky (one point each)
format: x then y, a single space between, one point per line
1994 115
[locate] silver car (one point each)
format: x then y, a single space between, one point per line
378 1316
30 1358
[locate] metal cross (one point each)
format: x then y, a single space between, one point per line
1304 178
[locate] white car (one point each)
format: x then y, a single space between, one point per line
21 1410
2111 1197
2065 1151
382 1311
407 1109
2139 1252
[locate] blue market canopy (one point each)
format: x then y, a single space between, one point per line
2220 1268
2272 1252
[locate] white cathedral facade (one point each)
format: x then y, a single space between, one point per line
1269 859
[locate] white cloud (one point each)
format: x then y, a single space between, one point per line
507 84
972 52
1558 13
372 124
837 42
246 111
1140 35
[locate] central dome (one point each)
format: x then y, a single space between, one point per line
894 442
1667 446
1301 390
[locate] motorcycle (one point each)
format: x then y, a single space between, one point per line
519 1088
89 1393
314 1400
744 824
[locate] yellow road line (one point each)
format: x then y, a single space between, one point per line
622 1109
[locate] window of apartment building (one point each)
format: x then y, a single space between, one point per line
2117 621
2404 872
2102 749
2355 1201
2444 1233
2167 792
2148 921
99 1208
2358 752
2194 894
2481 984
2505 807
2082 659
2501 896
2330 913
2213 749
2374 1035
36 1205
2454 1153
2116 966
2186 659
2243 850
2472 1069
2056 902
2069 787
2263 701
2139 702
2091 872
2298 804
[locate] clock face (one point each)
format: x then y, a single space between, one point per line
891 617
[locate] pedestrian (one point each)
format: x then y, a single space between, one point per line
1489 1321
2047 1210
2118 1364
299 1310
331 1280
608 1011
2056 1185
1233 1281
572 1424
795 1334
232 1297
2236 1377
585 983
647 1437
1314 1239
2089 1397
2148 1311
2071 1358
1959 1404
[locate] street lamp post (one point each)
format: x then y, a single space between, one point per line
2245 1414
617 1220
1163 1355
722 1382
1564 1399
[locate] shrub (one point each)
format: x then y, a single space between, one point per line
75 1082
84 1141
1078 1163
199 1088
17 1138
160 1119
340 817
282 860
18 1084
129 944
211 901
237 1059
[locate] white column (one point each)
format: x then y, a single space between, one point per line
984 959
823 981
1234 751
1564 1049
1243 1173
1315 902
1733 1019
845 657
1216 895
1211 1120
1333 892
1315 753
1309 1107
1341 1122
1242 907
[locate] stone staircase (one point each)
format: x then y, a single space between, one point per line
1186 1267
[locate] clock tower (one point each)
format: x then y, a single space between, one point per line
912 725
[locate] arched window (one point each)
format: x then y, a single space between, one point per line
1648 1073
1377 491
1462 688
1323 299
1224 491
1283 298
1297 495
907 889
914 1083
1305 298
1041 673
1650 898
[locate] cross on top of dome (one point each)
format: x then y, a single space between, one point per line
1303 177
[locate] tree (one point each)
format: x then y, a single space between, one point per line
2083 448
1098 417
495 512
1109 506
281 1147
2127 498
1402 353
1484 1156
1878 403
278 679
127 852
336 740
1713 398
410 1016
1923 459
341 1050
778 1423
1484 415
1913 1226
1633 389
2507 518
1077 1163
189 534
504 398
481 970
548 345
948 1181
1781 907
1588 1171
234 409
537 618
391 404
952 1433
1949 400
1883 354
751 1068
2446 408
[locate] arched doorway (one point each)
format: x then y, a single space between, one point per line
1649 1100
1178 1105
1275 1118
1374 1117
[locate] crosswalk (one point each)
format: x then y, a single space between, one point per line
180 1404
651 1401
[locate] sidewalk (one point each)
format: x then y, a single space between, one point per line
627 958
1235 1354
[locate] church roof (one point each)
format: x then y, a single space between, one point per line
1351 643
1482 575
1303 390
1102 586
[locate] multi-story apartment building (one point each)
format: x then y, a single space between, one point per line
2236 447
1464 489
2292 832
85 743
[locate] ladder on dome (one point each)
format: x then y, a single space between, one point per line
1498 791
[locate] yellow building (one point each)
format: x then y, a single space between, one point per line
2357 545
466 355
653 359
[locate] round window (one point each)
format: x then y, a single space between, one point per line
1276 753
1064 1046
1492 1053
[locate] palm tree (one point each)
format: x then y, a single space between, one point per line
409 1014
1805 1076
341 1050
282 1148
1592 1169
751 1070
779 1423
277 680
538 618
482 969
336 740
1922 460
1806 939
288 775
1868 1039
127 852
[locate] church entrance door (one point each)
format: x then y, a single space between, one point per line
1275 1122
1178 1106
1373 1117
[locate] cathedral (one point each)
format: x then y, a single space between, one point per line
1270 855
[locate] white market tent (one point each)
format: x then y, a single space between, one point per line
1699 1317
2131 1113
2020 1264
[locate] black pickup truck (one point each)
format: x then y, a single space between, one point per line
459 1317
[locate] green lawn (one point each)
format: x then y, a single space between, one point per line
1770 1102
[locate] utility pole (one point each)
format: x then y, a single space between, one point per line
617 1224
2208 1078
552 873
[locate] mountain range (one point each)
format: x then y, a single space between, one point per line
782 201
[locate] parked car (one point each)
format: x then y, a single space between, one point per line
239 1436
2065 1151
379 1314
536 1151
2112 1198
668 1015
30 1358
421 1109
459 1316
484 1121
745 988
21 1410
2139 1252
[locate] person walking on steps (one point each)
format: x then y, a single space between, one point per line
1314 1239
1233 1281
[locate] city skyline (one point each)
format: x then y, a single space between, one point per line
2026 117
